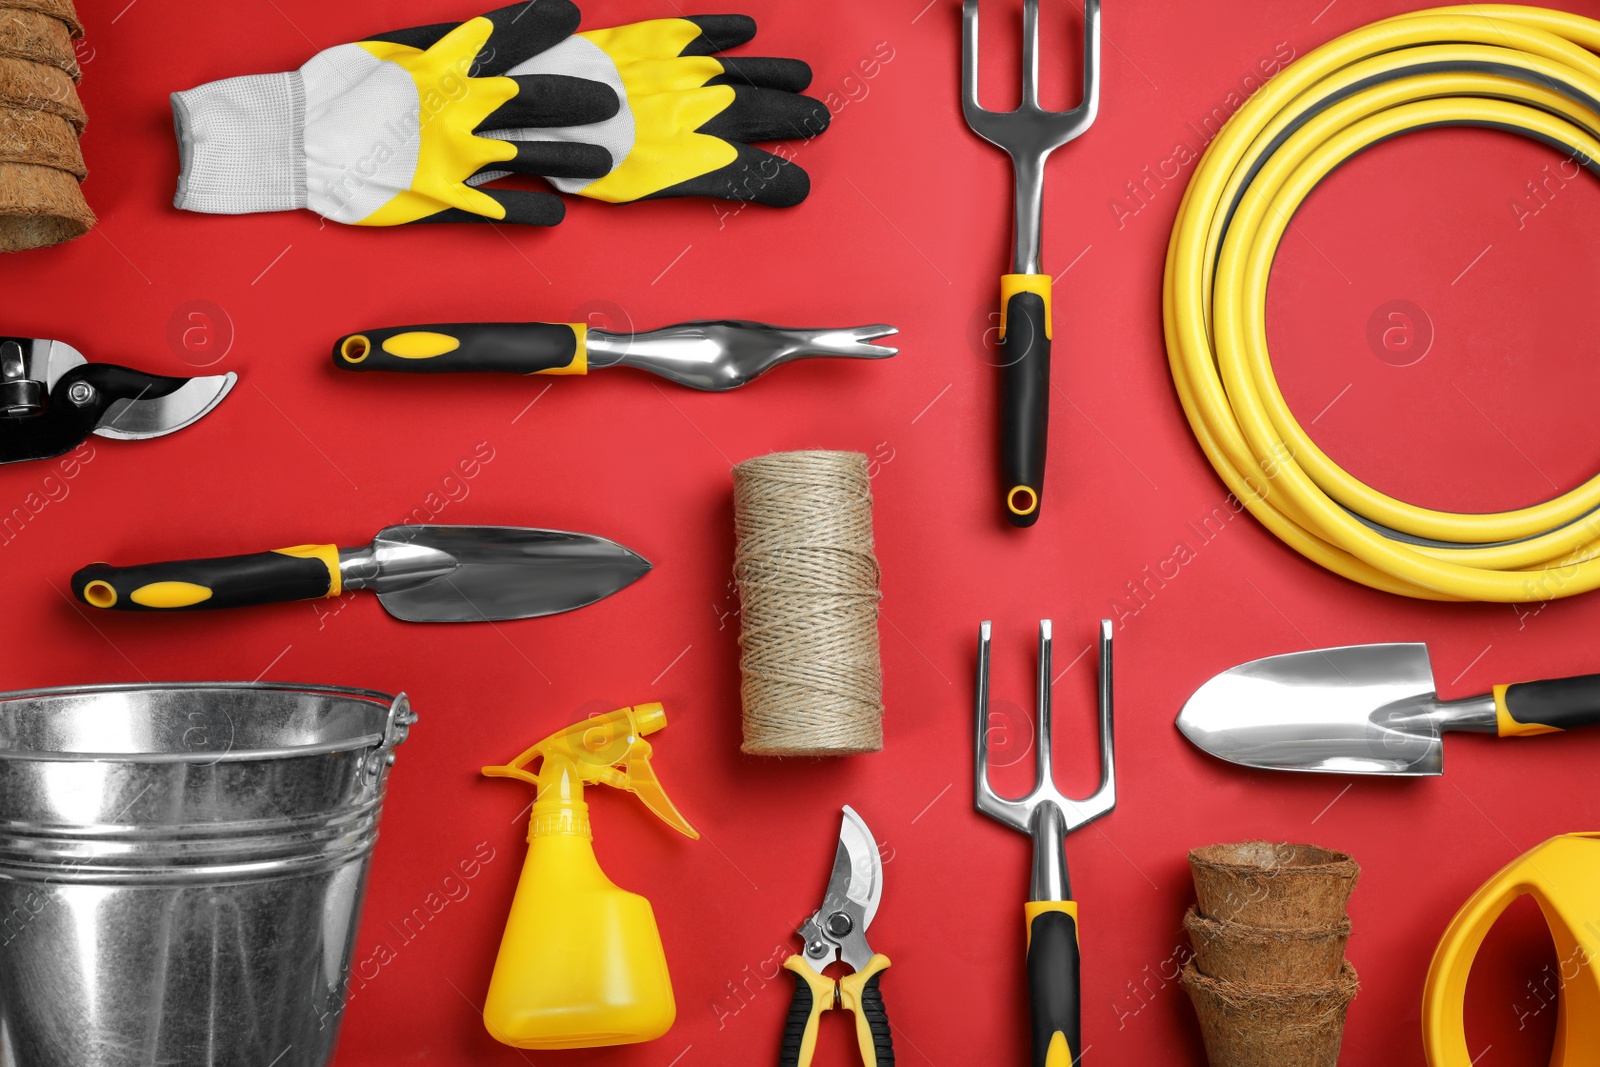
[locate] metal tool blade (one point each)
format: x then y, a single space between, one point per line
493 573
142 417
859 852
1361 709
838 929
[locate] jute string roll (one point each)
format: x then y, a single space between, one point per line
808 590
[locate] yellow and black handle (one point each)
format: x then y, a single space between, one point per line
304 572
504 347
1024 393
1053 990
815 994
1543 707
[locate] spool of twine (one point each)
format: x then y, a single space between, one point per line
808 591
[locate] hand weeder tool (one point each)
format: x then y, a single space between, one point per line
420 573
714 356
1029 134
51 398
1047 816
838 931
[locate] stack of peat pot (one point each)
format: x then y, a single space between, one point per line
40 120
1268 978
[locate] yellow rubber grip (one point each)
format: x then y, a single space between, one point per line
1035 908
1012 284
1507 726
328 554
822 990
580 352
851 987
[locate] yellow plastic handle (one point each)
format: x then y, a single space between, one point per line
813 995
1563 877
1444 1033
859 993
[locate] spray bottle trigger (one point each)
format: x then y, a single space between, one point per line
647 787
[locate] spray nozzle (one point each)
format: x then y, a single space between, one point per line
607 749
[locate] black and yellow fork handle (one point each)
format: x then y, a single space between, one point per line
1024 393
507 347
1053 990
1547 706
814 994
301 573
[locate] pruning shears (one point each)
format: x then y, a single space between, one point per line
838 931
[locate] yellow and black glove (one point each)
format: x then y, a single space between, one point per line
386 130
689 114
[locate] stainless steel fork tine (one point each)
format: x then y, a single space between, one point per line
1108 748
1090 104
969 55
1030 53
1046 775
981 768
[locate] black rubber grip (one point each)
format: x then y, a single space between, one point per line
1562 703
199 584
794 1027
1025 407
505 347
1053 984
878 1021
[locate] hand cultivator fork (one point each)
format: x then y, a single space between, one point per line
1028 135
1048 816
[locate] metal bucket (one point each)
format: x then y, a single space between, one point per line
182 868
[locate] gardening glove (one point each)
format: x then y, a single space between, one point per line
384 131
688 115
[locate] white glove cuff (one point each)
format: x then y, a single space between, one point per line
241 144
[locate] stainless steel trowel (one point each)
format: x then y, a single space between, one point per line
1365 709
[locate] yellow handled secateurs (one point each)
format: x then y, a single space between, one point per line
838 931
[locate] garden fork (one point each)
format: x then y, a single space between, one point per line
1046 815
1029 134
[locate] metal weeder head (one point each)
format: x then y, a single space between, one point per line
1045 813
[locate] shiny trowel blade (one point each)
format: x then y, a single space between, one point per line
152 416
1361 709
493 573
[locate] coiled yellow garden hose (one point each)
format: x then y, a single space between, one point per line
1526 70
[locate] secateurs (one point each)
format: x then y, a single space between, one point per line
51 399
1029 134
838 931
714 356
1047 816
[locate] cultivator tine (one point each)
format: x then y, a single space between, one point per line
1030 53
1019 812
1042 745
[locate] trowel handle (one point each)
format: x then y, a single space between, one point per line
1547 706
303 572
1053 990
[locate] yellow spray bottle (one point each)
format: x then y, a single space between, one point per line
581 962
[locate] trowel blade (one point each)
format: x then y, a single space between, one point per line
1361 709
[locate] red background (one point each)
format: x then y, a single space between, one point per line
908 222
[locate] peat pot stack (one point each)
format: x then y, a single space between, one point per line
1268 978
40 121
